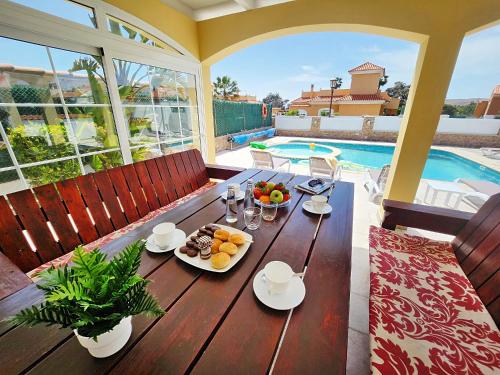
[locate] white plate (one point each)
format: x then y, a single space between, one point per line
239 197
307 205
206 264
293 296
178 238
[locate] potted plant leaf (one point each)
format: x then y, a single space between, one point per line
94 297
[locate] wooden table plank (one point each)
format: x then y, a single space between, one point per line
253 353
316 338
180 336
150 262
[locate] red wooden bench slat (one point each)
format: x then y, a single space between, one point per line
494 310
12 241
482 251
56 213
184 175
176 175
136 189
170 178
189 170
123 192
201 165
78 210
201 170
195 167
488 267
489 291
35 223
90 193
147 185
160 188
110 199
462 242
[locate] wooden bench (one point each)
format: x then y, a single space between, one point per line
57 217
429 300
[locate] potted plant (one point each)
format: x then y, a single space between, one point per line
94 297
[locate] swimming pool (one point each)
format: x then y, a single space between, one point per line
440 165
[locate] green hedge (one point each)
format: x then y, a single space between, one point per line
234 117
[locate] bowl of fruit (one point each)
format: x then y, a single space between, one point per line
270 193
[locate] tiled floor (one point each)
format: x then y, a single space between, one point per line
365 214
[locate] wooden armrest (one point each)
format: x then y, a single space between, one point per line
12 278
435 219
222 172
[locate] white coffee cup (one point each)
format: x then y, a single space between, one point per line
277 276
236 188
163 234
318 202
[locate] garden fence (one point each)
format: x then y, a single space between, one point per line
234 117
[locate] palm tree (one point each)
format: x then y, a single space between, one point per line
225 87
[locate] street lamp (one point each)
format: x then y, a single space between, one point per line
333 83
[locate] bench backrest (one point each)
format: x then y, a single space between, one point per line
58 217
477 247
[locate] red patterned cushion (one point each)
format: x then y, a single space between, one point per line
425 316
66 258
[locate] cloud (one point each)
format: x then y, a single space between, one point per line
371 49
310 74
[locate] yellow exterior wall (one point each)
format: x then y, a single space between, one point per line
364 83
173 23
359 109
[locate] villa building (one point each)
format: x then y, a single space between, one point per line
362 98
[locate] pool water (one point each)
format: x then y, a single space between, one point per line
440 165
298 151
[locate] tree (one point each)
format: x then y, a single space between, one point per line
449 110
338 83
274 99
383 80
399 90
225 87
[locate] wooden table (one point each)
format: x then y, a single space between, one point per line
214 324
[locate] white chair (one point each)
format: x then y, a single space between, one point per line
321 166
375 182
265 160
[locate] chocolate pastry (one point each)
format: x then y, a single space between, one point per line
205 243
193 238
206 232
191 244
184 249
213 227
192 253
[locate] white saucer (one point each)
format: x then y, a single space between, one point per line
285 301
307 205
177 240
239 197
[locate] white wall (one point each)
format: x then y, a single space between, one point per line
387 123
446 125
348 123
469 126
293 123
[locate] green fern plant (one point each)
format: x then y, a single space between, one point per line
93 295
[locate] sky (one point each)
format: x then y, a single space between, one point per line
290 64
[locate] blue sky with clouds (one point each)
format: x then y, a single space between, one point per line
290 64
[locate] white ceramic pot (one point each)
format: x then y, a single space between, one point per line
110 342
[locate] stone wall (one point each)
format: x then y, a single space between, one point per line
368 134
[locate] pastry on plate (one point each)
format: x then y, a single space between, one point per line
229 248
237 239
215 245
220 260
221 234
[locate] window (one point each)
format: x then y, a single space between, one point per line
69 10
56 118
159 106
131 32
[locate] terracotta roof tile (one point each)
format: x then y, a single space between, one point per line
354 97
366 66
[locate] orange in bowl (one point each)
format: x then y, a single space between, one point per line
265 199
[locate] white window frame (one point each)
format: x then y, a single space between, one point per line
30 25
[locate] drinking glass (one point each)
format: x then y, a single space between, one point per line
252 216
269 211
